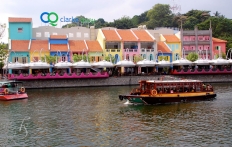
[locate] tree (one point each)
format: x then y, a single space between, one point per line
159 16
223 55
138 58
77 58
123 23
49 59
3 53
2 30
107 58
193 56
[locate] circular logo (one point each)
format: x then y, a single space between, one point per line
49 20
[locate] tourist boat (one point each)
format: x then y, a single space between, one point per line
168 91
12 90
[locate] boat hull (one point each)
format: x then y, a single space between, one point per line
143 99
13 96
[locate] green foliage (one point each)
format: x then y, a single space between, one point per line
138 58
193 56
49 59
123 23
77 58
223 55
3 53
107 58
159 16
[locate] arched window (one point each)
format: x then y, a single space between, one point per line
151 57
63 58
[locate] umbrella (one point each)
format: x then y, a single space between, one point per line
81 64
38 65
164 63
125 63
146 63
182 61
63 64
15 65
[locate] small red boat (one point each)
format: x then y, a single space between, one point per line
12 90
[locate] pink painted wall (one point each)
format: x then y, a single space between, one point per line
221 44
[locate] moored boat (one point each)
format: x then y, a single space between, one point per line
12 90
168 91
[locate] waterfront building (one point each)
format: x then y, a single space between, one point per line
199 41
174 44
218 44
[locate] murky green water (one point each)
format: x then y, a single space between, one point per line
95 117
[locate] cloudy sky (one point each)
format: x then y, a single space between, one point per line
106 9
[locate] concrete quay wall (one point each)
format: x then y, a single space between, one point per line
118 81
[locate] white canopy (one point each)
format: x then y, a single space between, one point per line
219 61
182 61
38 65
125 63
164 63
81 64
63 64
104 63
15 65
146 63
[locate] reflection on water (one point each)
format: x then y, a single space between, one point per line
96 117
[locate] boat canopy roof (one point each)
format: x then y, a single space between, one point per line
9 82
172 81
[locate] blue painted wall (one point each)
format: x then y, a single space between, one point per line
19 55
58 41
166 54
26 33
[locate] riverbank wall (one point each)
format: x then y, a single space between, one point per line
119 81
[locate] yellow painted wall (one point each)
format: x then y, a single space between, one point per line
162 38
37 54
176 48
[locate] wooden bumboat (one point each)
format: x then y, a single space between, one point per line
168 91
12 90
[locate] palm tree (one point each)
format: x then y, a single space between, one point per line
216 14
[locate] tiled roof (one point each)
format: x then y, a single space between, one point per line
143 35
77 45
59 47
38 45
20 45
58 37
111 35
127 35
218 40
94 46
162 47
19 19
171 38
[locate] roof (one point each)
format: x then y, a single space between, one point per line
77 45
143 35
19 45
111 35
38 45
58 37
93 46
163 47
59 47
218 40
19 19
127 35
171 38
173 81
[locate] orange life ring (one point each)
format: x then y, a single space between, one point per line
6 90
22 89
154 92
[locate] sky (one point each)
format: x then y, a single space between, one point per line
94 9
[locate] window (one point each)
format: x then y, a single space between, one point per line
20 30
79 34
70 35
16 59
24 60
63 58
38 34
46 34
86 35
35 59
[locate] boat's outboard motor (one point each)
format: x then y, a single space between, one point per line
121 97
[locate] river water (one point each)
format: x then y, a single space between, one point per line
96 117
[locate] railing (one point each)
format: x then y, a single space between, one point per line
58 76
201 71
